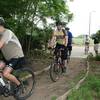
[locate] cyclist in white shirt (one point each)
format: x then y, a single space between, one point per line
12 52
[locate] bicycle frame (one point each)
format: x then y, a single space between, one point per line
56 66
58 57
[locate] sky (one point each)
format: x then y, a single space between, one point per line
82 9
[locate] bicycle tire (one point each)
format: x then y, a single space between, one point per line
55 69
23 79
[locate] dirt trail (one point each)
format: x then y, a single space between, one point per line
45 89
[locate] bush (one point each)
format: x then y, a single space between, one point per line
90 57
97 57
39 54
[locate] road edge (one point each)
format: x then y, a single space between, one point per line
41 71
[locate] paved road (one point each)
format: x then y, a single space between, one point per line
78 51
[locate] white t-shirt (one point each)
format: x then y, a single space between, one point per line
12 47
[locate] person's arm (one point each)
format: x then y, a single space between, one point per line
1 44
5 39
53 40
66 40
72 38
66 37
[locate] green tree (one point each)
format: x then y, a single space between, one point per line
98 34
23 16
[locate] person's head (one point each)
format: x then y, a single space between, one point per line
86 36
2 24
67 28
59 25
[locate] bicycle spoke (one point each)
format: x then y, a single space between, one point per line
26 78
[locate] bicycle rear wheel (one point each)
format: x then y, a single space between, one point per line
55 72
26 77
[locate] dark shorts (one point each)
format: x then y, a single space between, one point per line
63 52
15 63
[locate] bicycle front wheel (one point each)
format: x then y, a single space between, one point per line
26 77
55 72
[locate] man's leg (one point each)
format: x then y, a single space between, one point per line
7 74
70 50
97 49
65 53
66 63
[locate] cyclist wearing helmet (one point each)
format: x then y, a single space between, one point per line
60 38
87 42
70 36
12 52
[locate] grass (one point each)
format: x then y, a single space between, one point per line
54 98
80 41
97 57
93 58
90 89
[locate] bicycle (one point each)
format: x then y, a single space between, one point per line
56 67
26 76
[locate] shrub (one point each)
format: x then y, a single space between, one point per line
90 57
97 57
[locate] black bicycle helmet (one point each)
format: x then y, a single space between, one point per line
67 28
2 21
58 23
